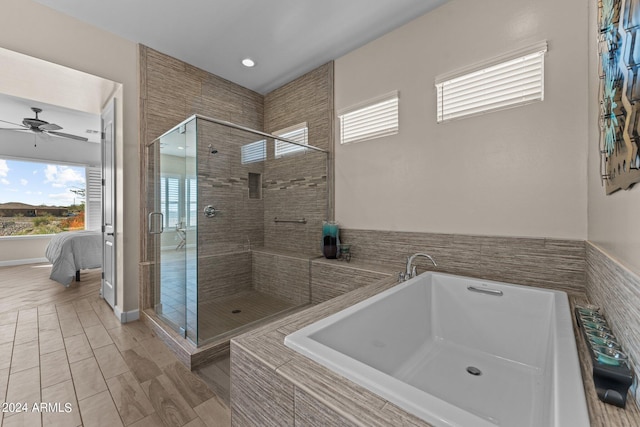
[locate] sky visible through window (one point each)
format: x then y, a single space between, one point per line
40 183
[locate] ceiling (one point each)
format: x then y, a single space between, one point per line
286 38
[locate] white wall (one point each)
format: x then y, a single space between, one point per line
30 28
614 220
23 249
518 172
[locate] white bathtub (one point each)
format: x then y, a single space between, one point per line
419 344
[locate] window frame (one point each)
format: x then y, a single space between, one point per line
364 114
473 77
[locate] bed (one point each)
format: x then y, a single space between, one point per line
72 251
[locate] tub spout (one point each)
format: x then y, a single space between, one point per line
411 270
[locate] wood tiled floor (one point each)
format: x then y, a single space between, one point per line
64 347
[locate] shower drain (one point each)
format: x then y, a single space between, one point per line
474 371
236 311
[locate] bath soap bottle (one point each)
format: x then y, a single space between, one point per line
330 239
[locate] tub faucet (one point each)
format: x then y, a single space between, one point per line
411 270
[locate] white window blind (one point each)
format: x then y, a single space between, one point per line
297 133
372 119
93 207
512 82
191 190
170 200
253 152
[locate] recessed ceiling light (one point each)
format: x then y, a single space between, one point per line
180 148
248 62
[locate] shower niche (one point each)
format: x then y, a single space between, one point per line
219 263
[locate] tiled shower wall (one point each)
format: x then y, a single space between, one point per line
296 187
171 91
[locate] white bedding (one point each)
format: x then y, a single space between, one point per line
73 251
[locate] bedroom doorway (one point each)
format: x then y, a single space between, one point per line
58 88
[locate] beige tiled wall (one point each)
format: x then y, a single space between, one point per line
296 187
549 263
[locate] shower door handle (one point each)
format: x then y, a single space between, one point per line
151 222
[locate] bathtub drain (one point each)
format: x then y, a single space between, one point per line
474 371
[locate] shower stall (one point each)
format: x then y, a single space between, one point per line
233 217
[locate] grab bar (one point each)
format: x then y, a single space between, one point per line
297 221
488 291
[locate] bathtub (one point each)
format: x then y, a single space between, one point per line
456 351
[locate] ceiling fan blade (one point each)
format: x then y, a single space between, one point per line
14 129
16 124
49 127
67 135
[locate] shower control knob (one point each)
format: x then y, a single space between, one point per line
210 211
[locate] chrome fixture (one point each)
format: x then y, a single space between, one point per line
411 270
488 291
297 221
210 211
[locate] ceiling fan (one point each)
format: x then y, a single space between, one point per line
37 126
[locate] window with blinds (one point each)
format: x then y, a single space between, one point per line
170 200
297 133
93 207
191 191
374 118
509 83
253 152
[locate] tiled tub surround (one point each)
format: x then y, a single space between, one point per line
414 345
272 385
271 377
616 290
546 263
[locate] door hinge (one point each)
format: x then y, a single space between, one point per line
104 182
103 228
102 274
103 136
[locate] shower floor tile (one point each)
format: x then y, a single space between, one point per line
224 314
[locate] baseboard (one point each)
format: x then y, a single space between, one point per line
126 316
22 261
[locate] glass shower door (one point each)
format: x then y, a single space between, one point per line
173 224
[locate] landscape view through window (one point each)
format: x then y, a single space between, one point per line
41 198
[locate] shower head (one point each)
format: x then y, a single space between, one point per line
212 150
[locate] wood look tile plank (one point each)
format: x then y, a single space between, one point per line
122 339
152 420
51 341
190 387
66 311
82 305
88 318
97 336
46 309
25 356
87 378
214 412
141 364
78 348
23 419
132 403
111 362
24 386
9 317
99 411
48 322
4 381
54 368
6 350
26 331
71 326
167 402
62 393
162 356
